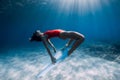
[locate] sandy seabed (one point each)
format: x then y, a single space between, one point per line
90 62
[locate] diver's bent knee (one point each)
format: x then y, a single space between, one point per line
81 38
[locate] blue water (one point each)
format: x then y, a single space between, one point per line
98 58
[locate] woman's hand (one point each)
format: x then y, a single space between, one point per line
53 60
54 50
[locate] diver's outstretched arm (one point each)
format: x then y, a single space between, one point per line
46 46
50 43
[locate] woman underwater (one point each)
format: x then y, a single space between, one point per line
45 37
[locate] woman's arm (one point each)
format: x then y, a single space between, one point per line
50 43
46 46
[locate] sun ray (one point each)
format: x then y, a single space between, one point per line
80 6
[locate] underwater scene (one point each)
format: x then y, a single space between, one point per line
96 58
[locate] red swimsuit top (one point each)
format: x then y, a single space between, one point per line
53 33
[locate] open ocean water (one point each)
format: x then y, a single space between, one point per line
98 58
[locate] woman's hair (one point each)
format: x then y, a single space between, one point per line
36 36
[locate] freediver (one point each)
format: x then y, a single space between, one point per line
74 37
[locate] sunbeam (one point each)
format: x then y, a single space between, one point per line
79 6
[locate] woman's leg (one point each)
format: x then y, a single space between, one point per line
75 45
79 38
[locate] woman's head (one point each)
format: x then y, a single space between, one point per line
36 36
